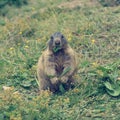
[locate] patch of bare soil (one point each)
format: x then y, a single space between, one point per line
79 3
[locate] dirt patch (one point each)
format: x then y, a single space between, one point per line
78 3
71 4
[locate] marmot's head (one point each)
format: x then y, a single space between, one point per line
57 42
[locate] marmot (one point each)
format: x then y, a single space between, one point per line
57 64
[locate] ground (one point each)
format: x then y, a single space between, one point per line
92 30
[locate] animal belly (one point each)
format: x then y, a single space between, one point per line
59 62
59 70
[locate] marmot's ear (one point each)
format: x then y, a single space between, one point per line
50 43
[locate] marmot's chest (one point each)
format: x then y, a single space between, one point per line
59 63
60 60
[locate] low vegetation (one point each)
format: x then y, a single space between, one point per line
91 29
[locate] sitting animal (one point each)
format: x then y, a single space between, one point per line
57 64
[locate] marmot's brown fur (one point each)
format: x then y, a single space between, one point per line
57 64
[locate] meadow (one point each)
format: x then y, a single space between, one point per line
91 29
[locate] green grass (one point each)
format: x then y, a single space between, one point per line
92 30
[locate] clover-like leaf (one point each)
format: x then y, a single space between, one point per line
114 93
112 89
108 86
26 84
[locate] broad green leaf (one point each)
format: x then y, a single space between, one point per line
112 88
113 92
26 84
55 49
61 88
108 85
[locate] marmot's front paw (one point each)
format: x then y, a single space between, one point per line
64 79
54 80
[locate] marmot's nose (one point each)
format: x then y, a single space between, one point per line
57 42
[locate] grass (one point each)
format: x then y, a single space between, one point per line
93 31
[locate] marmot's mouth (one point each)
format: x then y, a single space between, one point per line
56 48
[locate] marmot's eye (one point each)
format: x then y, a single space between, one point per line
62 36
51 37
